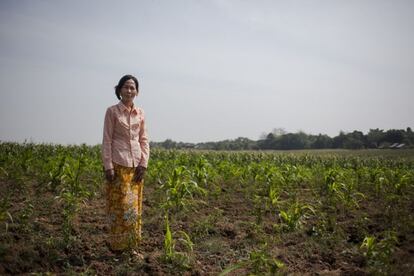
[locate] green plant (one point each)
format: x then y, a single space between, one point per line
341 188
25 215
4 213
55 169
206 226
201 170
182 259
169 243
260 262
291 218
267 190
180 189
72 194
378 252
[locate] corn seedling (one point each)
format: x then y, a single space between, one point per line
182 259
260 262
378 253
72 194
169 243
292 218
180 189
4 213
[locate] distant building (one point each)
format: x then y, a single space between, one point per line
397 146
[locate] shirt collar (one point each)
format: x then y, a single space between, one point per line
123 108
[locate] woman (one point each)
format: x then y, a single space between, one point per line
125 153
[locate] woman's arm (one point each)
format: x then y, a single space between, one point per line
144 144
107 140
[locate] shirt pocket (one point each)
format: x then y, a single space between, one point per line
122 122
135 131
135 125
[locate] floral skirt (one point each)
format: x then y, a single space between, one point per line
124 209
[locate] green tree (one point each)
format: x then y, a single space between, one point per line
394 136
338 141
375 137
321 142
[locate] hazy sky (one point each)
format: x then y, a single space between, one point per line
208 70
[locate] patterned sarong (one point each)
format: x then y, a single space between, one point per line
124 209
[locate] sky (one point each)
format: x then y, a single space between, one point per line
209 70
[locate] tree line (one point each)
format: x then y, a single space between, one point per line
281 140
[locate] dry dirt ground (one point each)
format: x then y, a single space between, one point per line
223 229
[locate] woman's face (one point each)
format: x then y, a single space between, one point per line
128 91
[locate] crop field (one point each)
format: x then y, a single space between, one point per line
211 213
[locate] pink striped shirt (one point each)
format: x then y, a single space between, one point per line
125 139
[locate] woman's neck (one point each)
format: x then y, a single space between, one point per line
128 104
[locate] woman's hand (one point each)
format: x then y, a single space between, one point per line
110 175
139 174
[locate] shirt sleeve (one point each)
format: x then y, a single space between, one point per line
107 140
144 144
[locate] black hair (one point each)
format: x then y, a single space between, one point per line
122 82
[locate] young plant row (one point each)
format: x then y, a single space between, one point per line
295 192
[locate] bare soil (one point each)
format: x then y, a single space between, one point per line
223 229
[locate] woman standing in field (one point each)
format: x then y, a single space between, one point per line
125 153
